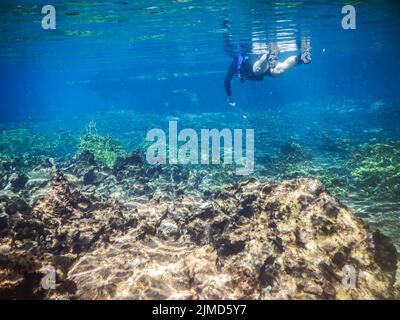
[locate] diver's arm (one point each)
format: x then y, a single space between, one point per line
228 77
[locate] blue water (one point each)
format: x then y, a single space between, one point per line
130 66
171 56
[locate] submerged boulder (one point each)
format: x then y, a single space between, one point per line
297 243
3 223
138 232
134 159
53 230
17 181
293 153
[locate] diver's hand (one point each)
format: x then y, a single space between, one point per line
231 101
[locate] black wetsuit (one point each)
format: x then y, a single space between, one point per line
244 67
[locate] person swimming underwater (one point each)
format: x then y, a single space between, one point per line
256 68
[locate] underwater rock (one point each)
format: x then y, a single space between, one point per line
134 159
53 231
4 226
385 252
295 246
17 181
93 176
81 164
85 159
11 176
177 270
150 232
13 203
293 153
40 178
168 229
86 170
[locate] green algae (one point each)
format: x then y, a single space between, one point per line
375 169
106 149
30 146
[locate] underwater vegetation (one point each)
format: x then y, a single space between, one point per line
293 152
295 160
30 146
337 144
106 149
375 169
290 161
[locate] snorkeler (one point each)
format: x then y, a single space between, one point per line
266 65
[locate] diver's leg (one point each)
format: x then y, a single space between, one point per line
284 66
289 63
261 65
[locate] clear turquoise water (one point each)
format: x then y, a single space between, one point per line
132 65
141 55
